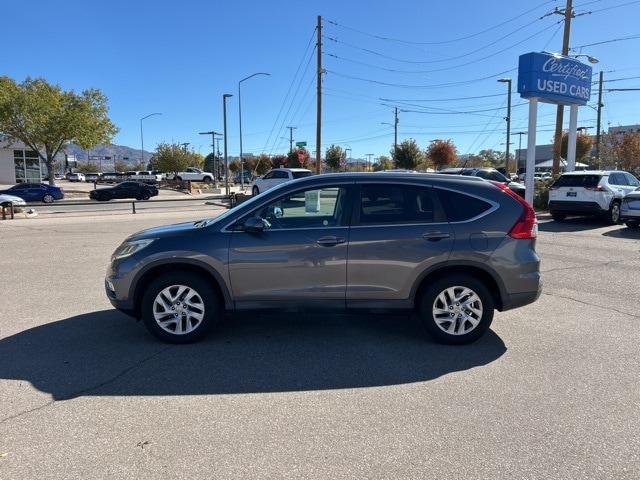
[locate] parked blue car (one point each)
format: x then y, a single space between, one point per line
36 192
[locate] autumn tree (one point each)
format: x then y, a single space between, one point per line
333 157
408 155
584 145
45 118
279 161
294 162
628 150
442 153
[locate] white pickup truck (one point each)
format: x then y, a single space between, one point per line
193 174
144 176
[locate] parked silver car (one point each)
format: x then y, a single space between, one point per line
451 249
630 209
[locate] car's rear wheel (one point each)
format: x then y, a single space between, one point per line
613 215
48 198
558 217
104 197
255 191
456 310
144 195
179 308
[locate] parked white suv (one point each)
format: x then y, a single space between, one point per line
590 192
278 176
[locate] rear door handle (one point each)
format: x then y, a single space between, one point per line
435 235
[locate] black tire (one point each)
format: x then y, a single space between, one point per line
558 217
144 195
104 197
207 179
47 198
612 217
255 191
179 308
456 310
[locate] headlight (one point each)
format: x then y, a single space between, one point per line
127 249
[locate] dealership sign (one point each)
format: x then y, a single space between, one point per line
554 79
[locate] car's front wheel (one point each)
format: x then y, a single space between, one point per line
104 197
255 191
48 198
179 308
456 310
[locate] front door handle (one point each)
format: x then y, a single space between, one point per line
330 241
435 235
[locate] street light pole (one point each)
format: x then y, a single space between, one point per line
142 136
213 149
226 157
240 121
519 148
508 119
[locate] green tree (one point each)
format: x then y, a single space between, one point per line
333 157
383 163
442 153
408 155
173 158
608 152
491 158
46 119
263 164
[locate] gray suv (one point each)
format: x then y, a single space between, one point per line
451 249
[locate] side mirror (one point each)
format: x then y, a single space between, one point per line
254 224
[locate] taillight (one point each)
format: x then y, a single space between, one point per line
596 188
526 227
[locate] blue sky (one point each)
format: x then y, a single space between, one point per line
437 62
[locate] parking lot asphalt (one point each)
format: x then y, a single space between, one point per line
551 392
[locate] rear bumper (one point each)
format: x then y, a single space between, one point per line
575 208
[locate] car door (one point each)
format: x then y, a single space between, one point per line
398 232
299 259
125 190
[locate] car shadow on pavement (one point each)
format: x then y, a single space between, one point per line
572 224
106 353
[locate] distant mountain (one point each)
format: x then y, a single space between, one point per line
116 152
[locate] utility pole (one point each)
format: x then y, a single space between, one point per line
395 136
291 129
369 162
600 105
557 140
319 105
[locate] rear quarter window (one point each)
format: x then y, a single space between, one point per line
302 174
459 207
